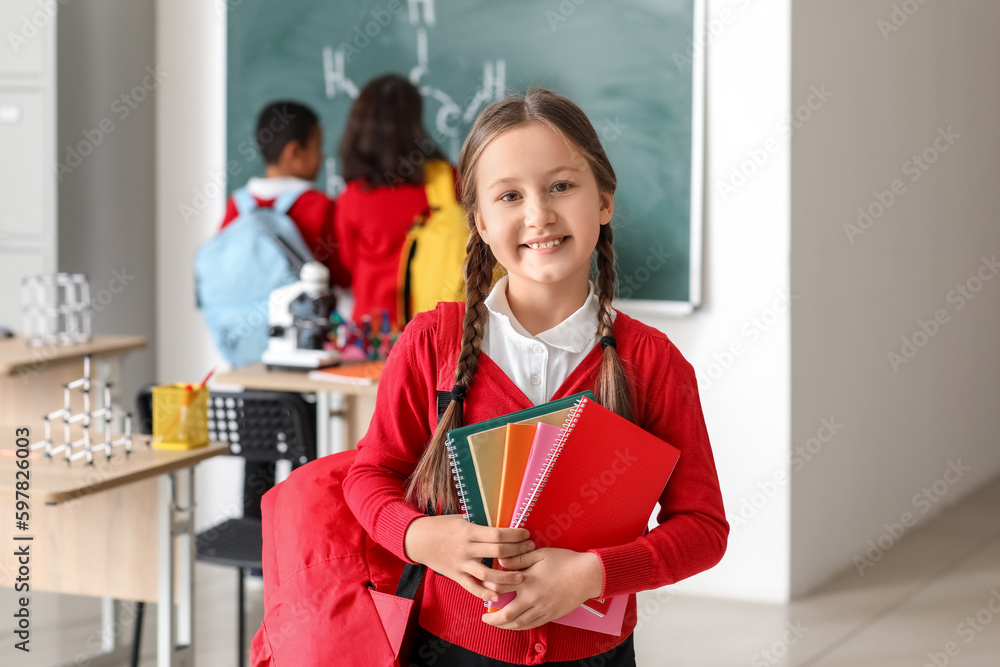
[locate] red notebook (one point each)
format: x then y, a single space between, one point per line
600 484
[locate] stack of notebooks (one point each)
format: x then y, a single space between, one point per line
573 473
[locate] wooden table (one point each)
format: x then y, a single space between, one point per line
121 529
18 357
350 405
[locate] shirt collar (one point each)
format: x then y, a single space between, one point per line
574 334
272 188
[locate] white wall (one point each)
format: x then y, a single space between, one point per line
891 93
746 395
190 153
746 403
107 194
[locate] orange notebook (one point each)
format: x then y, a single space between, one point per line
364 373
515 458
517 447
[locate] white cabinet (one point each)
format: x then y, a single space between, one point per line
28 178
28 29
24 169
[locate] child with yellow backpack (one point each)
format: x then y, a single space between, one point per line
403 232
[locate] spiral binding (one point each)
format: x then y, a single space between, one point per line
456 474
525 509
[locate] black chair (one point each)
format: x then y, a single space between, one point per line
262 427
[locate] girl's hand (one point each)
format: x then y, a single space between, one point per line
455 547
556 581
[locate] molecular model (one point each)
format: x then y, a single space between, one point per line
85 446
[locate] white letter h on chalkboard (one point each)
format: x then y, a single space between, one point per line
428 12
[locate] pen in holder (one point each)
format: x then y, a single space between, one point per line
180 416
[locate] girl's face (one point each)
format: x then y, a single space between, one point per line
534 186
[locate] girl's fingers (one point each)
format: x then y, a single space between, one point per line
502 618
490 542
528 619
471 584
486 575
513 616
501 588
481 550
521 561
509 549
498 535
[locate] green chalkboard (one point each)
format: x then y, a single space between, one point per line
627 64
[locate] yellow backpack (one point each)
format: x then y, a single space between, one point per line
430 266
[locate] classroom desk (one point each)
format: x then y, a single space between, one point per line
350 405
98 530
16 356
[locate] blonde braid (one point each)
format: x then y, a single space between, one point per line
613 390
431 480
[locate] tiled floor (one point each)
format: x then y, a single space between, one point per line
940 584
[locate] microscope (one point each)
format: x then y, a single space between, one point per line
299 319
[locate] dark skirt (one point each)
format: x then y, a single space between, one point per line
437 652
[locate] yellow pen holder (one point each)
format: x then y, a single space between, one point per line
180 417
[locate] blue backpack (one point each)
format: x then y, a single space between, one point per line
236 271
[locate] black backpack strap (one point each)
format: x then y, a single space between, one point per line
449 344
444 400
409 581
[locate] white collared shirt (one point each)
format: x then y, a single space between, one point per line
538 365
272 188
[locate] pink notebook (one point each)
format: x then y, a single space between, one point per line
582 617
546 437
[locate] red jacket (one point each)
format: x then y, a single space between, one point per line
692 531
313 214
372 224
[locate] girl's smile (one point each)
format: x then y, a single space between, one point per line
546 245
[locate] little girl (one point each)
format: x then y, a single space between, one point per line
540 194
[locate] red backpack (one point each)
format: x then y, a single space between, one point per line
327 583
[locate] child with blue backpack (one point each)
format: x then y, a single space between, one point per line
290 140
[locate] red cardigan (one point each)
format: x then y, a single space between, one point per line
313 214
372 224
692 531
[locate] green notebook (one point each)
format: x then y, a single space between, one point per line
462 465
